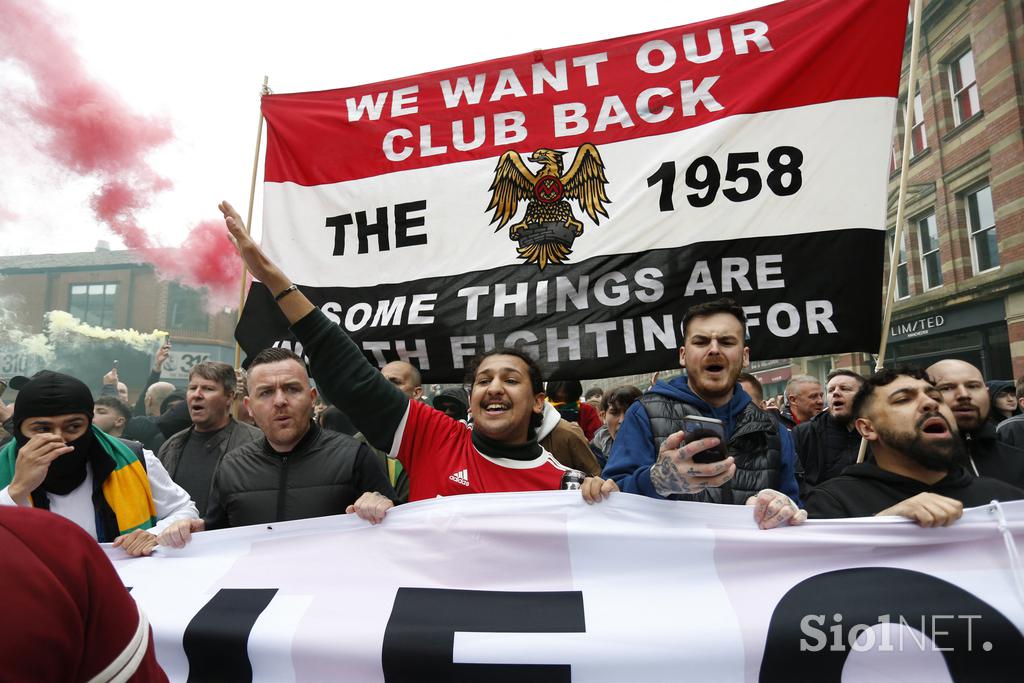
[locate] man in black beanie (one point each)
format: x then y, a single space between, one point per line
59 461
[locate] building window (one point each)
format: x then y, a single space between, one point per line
931 260
918 138
902 276
963 85
981 223
94 304
186 309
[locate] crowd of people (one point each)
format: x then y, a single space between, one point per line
294 437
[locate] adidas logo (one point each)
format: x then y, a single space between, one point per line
461 477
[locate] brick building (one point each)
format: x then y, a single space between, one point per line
114 290
960 270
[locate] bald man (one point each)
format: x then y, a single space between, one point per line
406 377
155 395
144 428
964 391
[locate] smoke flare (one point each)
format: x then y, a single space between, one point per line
89 130
61 326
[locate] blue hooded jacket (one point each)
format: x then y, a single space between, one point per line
633 450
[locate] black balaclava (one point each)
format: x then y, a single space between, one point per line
46 395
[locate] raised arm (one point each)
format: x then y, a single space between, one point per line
294 305
342 373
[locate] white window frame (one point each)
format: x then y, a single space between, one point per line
966 88
973 231
94 293
901 262
917 122
923 223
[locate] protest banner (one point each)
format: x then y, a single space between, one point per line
577 200
542 587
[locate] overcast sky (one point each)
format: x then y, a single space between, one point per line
200 65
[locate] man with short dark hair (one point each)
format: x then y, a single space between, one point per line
297 470
964 391
916 473
1011 430
614 404
648 455
443 456
111 414
828 442
193 454
752 385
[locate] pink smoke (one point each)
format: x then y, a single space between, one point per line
89 130
6 215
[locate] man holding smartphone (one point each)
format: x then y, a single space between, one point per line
733 453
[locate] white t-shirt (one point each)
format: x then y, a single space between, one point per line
171 501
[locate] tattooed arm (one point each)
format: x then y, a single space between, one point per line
773 508
675 472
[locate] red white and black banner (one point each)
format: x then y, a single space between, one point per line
542 587
579 200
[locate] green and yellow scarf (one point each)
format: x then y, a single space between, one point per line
126 489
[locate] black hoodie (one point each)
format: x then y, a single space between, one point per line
993 458
865 490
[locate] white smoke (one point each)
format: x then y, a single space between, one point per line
64 328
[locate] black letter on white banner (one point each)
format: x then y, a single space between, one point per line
216 640
420 636
983 644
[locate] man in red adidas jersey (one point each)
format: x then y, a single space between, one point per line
442 455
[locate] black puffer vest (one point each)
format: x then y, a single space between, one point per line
754 443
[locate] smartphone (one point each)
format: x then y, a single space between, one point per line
697 427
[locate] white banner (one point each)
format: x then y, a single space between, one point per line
542 587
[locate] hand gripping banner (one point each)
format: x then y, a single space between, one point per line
541 587
578 200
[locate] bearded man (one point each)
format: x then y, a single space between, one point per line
964 391
917 451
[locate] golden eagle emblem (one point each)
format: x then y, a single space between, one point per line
547 230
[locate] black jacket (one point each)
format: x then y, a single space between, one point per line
231 437
143 428
1011 431
324 474
994 458
825 449
865 490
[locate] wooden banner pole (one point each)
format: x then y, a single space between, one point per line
897 240
248 216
